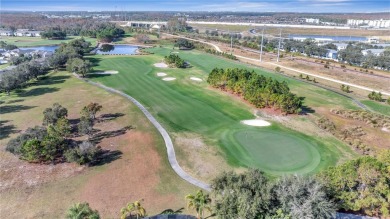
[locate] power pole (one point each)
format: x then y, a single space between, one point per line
280 39
261 46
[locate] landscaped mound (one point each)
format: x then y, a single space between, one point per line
257 89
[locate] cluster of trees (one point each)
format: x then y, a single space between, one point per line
104 32
257 89
361 185
375 96
177 24
7 47
71 55
53 34
51 143
353 55
19 76
223 54
174 60
345 88
252 195
184 44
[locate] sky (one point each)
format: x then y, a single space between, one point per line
199 5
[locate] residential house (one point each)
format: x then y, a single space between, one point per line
341 46
331 54
6 33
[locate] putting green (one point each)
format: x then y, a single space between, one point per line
275 151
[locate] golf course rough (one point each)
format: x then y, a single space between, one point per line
194 108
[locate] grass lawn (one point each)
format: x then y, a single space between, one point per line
184 105
382 108
141 170
3 66
37 41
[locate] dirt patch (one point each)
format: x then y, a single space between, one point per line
133 177
200 159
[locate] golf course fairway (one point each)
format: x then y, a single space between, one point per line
186 106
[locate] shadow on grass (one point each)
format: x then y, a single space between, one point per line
306 110
171 211
107 157
50 80
6 130
14 108
109 117
37 91
15 101
97 138
94 60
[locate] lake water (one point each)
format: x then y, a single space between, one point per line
117 49
333 38
41 48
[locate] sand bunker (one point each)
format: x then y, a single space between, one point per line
195 79
111 72
161 65
169 79
161 74
256 122
385 129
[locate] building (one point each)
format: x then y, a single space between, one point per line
341 46
369 23
312 20
6 33
375 52
331 54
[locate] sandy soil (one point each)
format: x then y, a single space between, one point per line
195 79
256 122
161 65
169 79
111 72
161 74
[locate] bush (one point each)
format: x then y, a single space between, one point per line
51 115
375 96
84 153
174 60
277 69
82 211
14 145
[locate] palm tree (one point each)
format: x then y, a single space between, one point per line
136 208
199 202
82 211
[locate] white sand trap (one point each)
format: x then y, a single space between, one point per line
256 122
161 74
111 72
169 79
161 65
195 79
385 129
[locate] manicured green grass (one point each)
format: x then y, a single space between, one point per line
188 106
382 108
3 66
37 41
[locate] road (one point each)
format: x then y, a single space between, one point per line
291 69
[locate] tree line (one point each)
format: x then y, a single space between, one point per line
257 89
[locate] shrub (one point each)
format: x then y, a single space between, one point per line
14 145
82 211
277 69
51 115
84 153
174 60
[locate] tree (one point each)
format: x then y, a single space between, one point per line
51 115
53 34
277 69
133 210
177 24
142 38
199 202
38 133
360 185
246 195
302 197
85 153
85 127
78 66
82 211
184 44
90 110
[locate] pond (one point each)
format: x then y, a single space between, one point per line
331 38
107 49
41 48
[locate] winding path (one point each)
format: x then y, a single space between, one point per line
168 141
